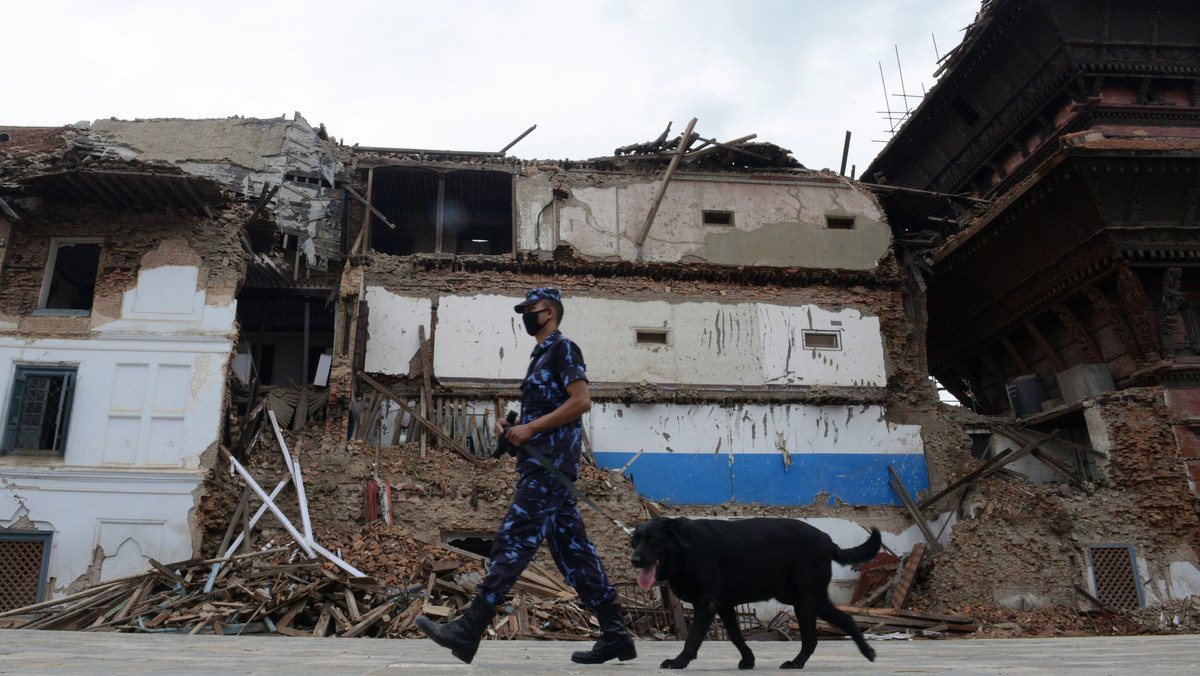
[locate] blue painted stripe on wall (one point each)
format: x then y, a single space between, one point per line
708 479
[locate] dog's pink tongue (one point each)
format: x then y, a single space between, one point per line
646 577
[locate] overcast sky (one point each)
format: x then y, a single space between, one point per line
472 75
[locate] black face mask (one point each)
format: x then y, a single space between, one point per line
531 321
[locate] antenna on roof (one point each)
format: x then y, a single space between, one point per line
899 116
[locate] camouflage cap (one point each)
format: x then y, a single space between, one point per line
534 295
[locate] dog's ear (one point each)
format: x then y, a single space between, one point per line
676 528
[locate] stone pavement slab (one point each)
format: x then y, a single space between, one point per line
49 652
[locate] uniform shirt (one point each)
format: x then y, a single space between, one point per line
555 363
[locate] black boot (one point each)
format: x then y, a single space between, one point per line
462 635
614 641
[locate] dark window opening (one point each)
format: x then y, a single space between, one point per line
839 222
289 358
965 111
651 336
980 441
24 567
822 340
718 218
72 280
460 212
39 409
476 543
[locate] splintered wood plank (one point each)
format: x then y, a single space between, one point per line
322 625
290 615
351 604
342 623
913 510
367 620
900 593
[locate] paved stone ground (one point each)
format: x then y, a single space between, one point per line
48 652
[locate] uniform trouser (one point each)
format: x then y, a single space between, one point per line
543 509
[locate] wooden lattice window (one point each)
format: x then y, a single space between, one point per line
1114 573
24 562
39 409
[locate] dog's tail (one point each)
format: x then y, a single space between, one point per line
862 553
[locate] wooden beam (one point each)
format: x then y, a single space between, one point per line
7 211
1074 327
713 145
907 575
440 218
1015 356
911 506
378 213
518 139
199 202
1106 309
1055 362
995 463
662 189
270 504
263 200
421 419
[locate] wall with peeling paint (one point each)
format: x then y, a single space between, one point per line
781 454
776 222
393 327
744 344
146 405
694 454
129 517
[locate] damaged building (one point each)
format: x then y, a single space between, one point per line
748 331
1046 192
759 336
128 259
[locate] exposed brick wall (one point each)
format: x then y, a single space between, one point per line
131 241
1028 539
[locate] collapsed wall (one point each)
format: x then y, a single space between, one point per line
1022 544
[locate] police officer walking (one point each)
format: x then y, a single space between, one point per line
554 395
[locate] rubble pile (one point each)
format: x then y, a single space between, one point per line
263 592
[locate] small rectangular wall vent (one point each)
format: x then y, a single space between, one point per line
822 340
651 336
724 218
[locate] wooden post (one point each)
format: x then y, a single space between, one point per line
662 189
421 419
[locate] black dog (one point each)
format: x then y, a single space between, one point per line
716 565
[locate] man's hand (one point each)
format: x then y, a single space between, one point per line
519 434
500 426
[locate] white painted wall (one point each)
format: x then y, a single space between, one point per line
748 344
393 329
748 428
131 516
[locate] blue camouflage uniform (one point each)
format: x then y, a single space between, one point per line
542 508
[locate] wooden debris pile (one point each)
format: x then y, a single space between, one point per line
885 581
699 152
263 592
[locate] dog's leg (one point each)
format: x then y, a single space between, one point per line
729 619
701 620
806 617
844 622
